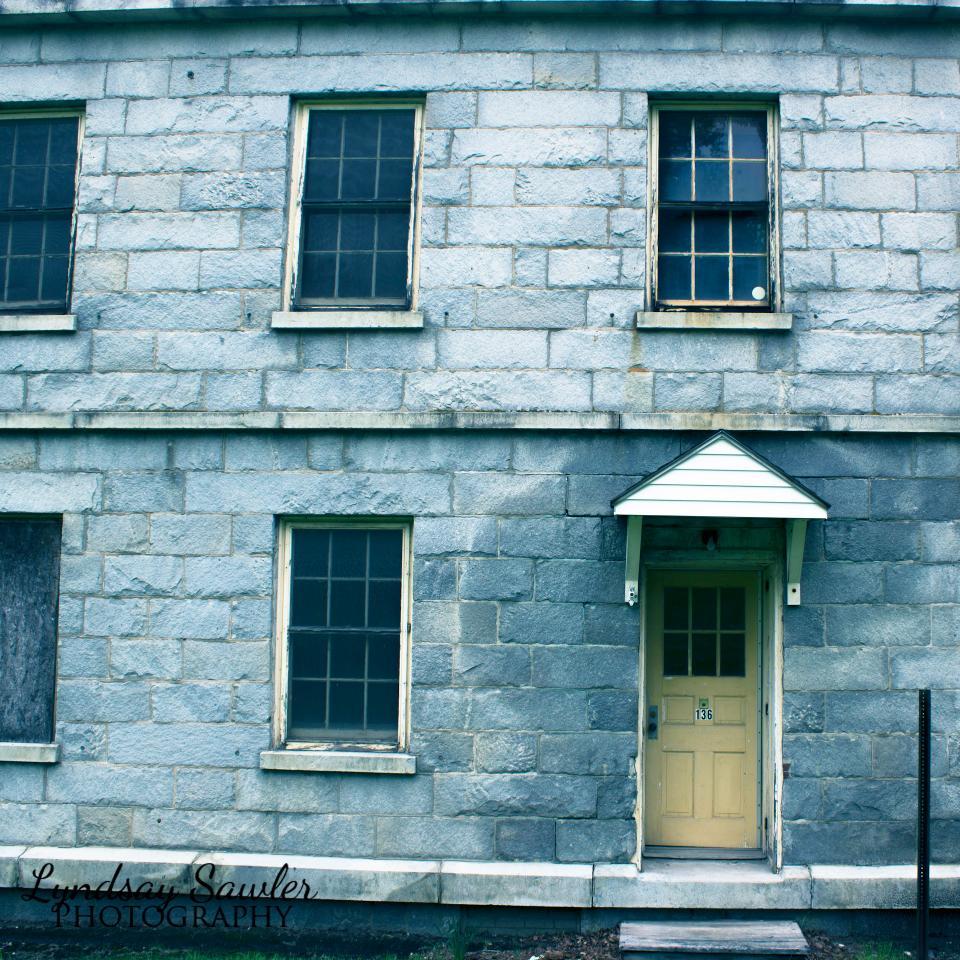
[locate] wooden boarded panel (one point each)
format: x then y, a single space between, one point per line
723 937
29 582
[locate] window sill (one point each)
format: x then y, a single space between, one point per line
707 320
346 320
38 322
338 761
11 752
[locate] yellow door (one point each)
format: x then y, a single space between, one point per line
701 782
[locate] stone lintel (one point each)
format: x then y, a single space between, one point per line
12 752
479 420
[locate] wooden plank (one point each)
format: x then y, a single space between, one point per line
29 584
760 937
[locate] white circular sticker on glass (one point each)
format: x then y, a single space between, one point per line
758 293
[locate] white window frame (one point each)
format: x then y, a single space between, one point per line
13 321
774 272
291 308
281 644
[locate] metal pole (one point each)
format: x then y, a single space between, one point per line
923 826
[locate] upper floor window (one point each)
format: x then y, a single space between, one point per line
38 178
343 645
714 215
355 217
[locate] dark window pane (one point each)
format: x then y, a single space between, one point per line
24 279
54 284
712 279
361 133
27 187
675 654
347 603
321 230
391 275
31 143
346 704
384 604
359 180
322 180
710 131
63 142
675 613
704 655
60 183
732 655
750 279
308 603
749 233
57 236
386 553
356 275
674 180
396 180
384 657
6 141
349 553
704 604
382 701
674 230
749 181
317 275
711 231
396 133
732 608
324 139
308 704
26 235
356 230
310 553
393 231
713 181
675 133
6 173
347 656
308 655
749 135
673 278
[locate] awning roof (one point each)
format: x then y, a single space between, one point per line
720 478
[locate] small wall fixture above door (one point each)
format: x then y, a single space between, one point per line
720 478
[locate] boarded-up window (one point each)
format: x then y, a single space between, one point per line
29 579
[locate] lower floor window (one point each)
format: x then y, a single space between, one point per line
344 622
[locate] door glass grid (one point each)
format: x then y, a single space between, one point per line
713 208
344 634
38 162
704 631
357 206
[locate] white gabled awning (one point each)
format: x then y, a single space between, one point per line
720 478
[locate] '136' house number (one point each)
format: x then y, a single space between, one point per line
704 711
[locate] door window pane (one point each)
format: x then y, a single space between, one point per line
732 654
703 659
349 582
675 654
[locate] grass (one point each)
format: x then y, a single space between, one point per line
882 951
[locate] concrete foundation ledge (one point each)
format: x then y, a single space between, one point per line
661 884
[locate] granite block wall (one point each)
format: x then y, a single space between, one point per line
534 224
524 703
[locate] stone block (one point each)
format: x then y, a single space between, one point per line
831 228
161 659
541 623
593 349
687 391
188 744
496 579
878 625
881 270
551 537
143 576
816 393
451 109
452 536
540 309
833 150
567 71
599 753
105 783
611 710
506 752
873 190
469 837
883 711
477 665
858 540
540 108
456 622
583 268
922 583
803 712
185 702
203 829
585 667
112 618
503 349
837 351
816 668
596 840
98 826
204 790
514 794
523 710
916 667
507 494
834 755
557 147
96 701
211 660
525 839
910 151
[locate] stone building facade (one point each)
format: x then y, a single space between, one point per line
182 413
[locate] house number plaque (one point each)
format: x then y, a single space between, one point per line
704 711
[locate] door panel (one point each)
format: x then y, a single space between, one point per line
701 773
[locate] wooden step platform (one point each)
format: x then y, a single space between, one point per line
699 939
